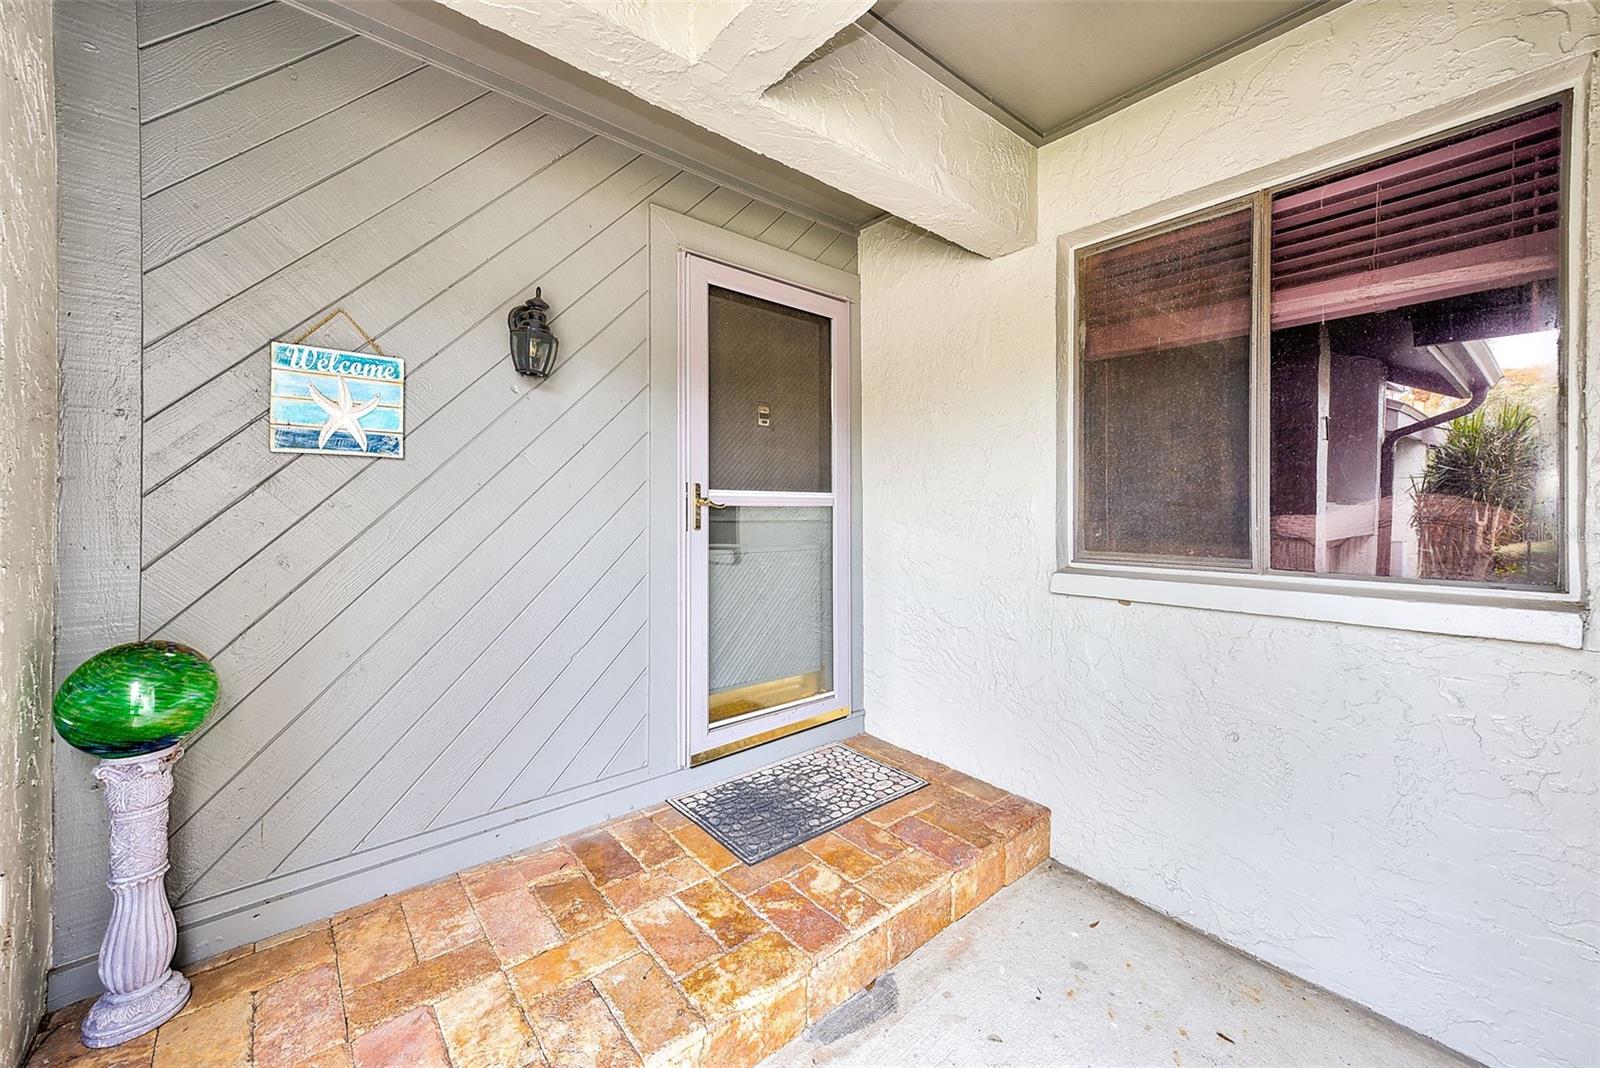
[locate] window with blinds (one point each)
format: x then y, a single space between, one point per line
1385 340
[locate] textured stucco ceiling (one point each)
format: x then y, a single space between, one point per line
1053 63
795 81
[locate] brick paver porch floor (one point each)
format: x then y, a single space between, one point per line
638 941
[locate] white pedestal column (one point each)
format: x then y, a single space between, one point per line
142 990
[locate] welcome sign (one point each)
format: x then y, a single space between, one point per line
324 400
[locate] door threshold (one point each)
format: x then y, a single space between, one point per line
750 742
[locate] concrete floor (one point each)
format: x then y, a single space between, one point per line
1057 970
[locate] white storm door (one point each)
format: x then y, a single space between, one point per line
766 462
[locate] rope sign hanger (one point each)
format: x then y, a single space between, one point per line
330 317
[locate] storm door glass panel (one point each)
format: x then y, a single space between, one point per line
770 380
1164 394
770 603
770 542
1416 404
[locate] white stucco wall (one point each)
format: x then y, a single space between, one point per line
1409 820
27 510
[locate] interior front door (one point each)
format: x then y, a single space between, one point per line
766 510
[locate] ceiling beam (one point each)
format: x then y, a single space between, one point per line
796 81
451 41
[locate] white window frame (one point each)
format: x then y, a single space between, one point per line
1537 616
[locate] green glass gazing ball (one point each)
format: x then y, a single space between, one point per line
135 699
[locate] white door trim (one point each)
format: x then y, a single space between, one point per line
696 277
671 236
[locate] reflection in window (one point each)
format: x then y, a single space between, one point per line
770 610
1164 439
1415 388
1408 396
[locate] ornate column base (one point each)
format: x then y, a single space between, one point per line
142 990
115 1018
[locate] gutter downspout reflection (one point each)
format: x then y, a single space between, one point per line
1386 466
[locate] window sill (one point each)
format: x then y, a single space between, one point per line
1539 622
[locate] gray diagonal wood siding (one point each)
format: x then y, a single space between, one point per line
410 651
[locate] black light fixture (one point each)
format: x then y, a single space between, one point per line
533 346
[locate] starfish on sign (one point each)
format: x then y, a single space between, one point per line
343 414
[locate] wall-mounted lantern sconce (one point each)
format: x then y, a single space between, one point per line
533 346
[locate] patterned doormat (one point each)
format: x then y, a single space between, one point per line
774 808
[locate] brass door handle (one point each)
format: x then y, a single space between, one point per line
701 501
